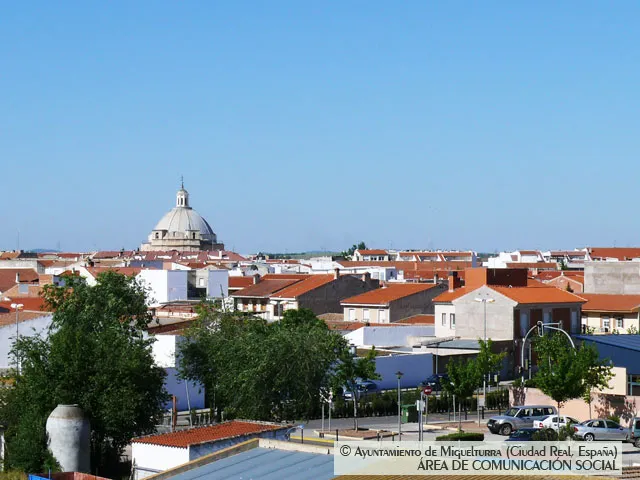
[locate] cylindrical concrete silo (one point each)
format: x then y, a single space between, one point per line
69 432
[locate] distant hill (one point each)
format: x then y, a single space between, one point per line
43 250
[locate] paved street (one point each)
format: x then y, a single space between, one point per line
631 454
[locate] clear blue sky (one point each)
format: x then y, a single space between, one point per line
308 125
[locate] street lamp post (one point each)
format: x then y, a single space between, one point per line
17 307
484 301
399 376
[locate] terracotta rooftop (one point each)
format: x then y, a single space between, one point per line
128 271
385 295
212 433
597 302
30 304
304 286
240 282
10 317
265 288
372 252
287 276
550 275
418 320
546 265
529 295
615 252
8 277
448 296
405 265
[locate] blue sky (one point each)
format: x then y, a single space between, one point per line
314 125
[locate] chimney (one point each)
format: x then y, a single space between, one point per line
453 280
366 277
256 278
435 278
17 277
336 273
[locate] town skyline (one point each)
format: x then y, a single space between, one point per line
311 127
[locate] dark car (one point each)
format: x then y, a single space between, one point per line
363 389
522 435
436 381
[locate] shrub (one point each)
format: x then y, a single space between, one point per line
466 436
614 418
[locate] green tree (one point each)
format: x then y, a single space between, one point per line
565 373
488 362
464 377
597 373
260 370
350 370
349 252
95 355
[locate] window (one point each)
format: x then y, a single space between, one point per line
452 320
619 322
201 282
23 289
352 314
365 314
606 324
382 316
548 411
444 319
611 424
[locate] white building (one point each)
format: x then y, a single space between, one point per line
164 285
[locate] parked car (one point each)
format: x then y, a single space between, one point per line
600 429
436 381
519 417
554 422
363 389
635 432
522 435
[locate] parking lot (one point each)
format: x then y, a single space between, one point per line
631 454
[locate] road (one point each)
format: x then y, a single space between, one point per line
631 454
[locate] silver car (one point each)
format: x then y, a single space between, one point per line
600 429
519 417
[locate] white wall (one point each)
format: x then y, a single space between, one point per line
218 284
28 328
395 336
445 330
156 458
164 285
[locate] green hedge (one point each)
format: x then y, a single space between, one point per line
467 436
386 403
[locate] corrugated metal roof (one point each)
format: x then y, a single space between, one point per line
265 464
629 342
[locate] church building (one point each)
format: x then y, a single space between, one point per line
182 229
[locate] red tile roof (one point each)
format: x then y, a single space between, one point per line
615 252
448 297
8 277
240 282
597 302
536 295
385 295
547 275
9 318
538 265
213 433
372 252
406 265
417 320
285 276
128 271
264 288
304 286
30 304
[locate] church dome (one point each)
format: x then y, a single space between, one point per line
182 228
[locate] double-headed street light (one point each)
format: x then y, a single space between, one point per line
17 307
399 376
485 299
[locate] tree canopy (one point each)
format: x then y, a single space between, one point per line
565 373
254 369
95 355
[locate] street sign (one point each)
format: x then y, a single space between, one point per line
427 390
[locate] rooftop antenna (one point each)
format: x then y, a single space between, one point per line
182 182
